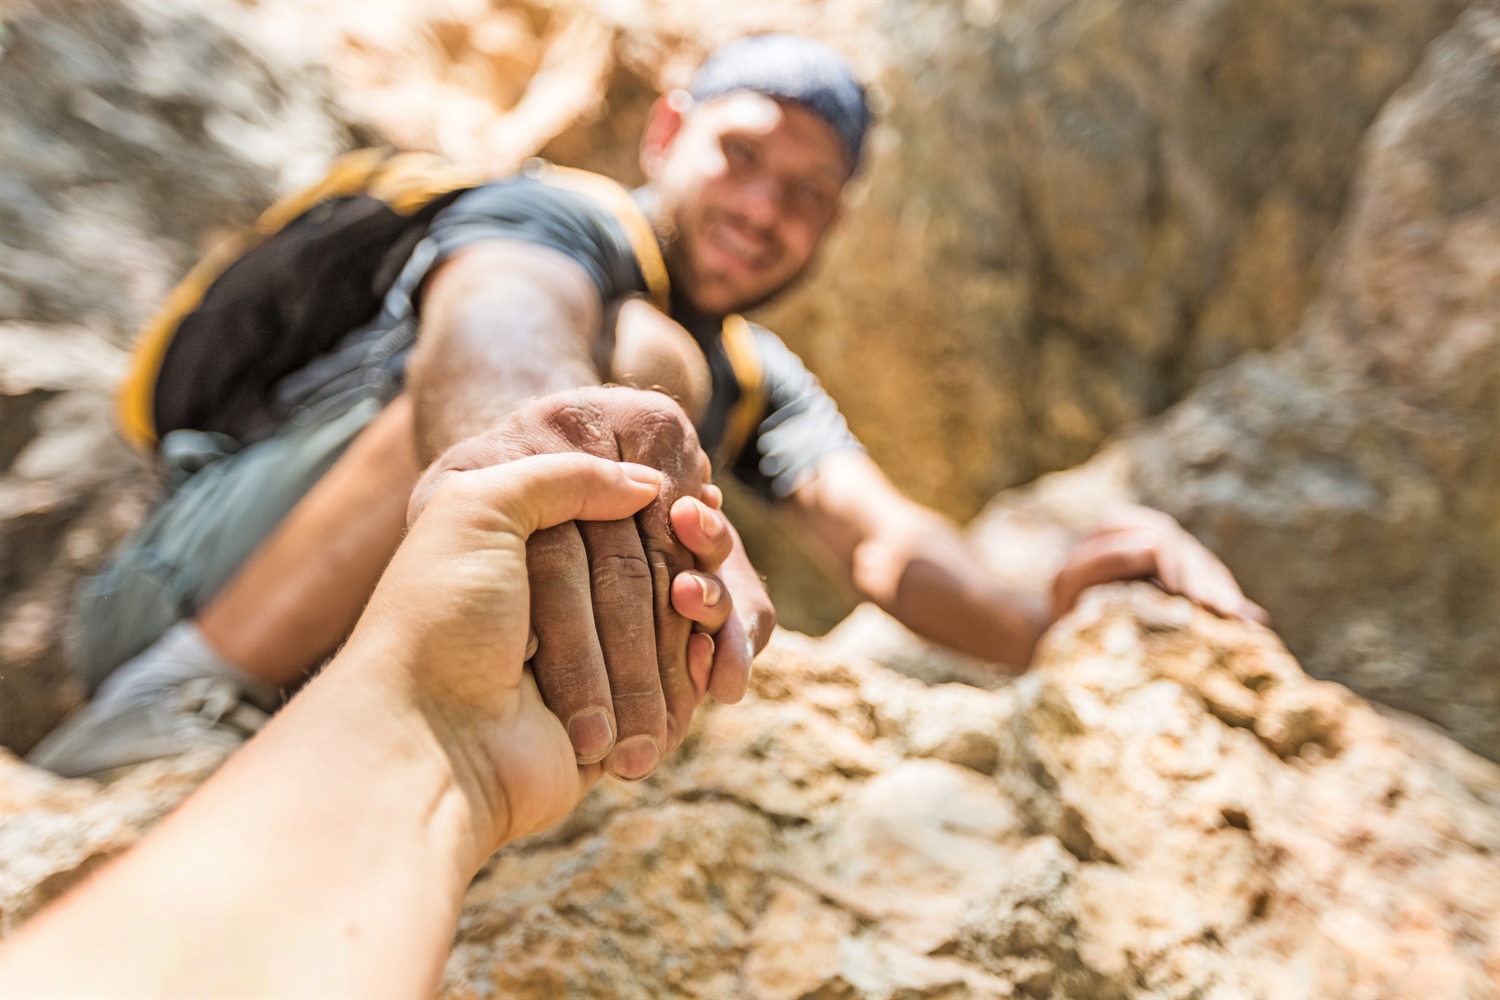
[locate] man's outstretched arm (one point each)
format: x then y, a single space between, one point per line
915 565
513 343
502 322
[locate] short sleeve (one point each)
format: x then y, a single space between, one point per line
521 208
531 211
801 427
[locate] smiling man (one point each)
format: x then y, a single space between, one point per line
520 299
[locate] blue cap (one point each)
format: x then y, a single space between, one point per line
791 68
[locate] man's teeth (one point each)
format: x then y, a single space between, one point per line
739 246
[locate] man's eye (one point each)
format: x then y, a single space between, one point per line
810 194
739 153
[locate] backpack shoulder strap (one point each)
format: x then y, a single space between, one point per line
749 372
617 199
406 182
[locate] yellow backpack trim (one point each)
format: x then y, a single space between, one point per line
744 358
637 227
406 182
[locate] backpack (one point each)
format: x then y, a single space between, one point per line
317 265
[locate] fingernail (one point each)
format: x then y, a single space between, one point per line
642 473
712 592
711 523
701 663
592 733
636 757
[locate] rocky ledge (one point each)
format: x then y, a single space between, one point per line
1166 805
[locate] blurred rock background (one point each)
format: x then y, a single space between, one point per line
1237 258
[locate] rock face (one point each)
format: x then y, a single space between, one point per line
119 165
1350 481
1347 478
1160 183
69 491
1167 806
117 168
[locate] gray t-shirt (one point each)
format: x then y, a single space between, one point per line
799 424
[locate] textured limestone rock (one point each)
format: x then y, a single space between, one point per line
119 162
54 832
1167 806
69 490
1347 478
1351 481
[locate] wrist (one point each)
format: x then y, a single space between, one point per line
431 748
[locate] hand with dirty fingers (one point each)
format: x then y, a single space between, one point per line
632 620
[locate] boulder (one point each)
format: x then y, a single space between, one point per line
1350 480
1347 478
1167 805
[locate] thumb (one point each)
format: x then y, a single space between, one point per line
547 490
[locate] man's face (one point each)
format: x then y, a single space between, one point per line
751 185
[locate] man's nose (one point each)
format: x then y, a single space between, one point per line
760 202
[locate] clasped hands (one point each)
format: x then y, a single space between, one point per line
636 616
515 615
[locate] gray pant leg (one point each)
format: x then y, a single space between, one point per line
191 545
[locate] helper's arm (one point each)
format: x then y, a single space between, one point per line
330 856
913 563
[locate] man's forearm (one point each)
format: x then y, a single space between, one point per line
914 564
938 590
501 323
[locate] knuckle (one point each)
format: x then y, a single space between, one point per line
622 568
555 553
641 698
660 420
580 423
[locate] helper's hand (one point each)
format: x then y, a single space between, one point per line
611 653
452 612
1137 543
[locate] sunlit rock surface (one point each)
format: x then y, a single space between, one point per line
1348 479
1166 806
